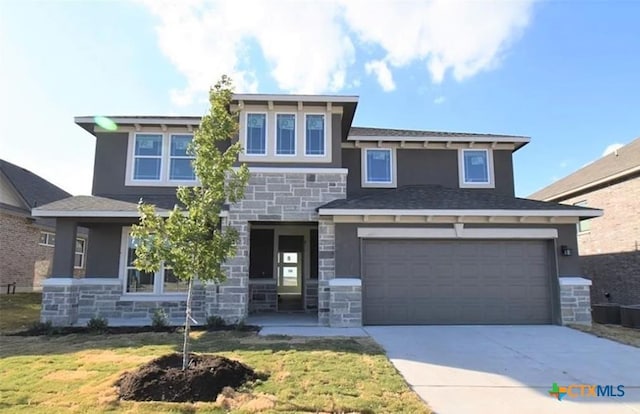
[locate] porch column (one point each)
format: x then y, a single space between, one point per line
326 266
60 292
65 248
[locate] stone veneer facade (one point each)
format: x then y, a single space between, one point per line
345 303
270 196
575 301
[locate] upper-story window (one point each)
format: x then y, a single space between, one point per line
181 161
160 159
314 134
147 157
378 167
256 134
286 134
476 168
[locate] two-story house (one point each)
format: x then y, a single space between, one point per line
358 225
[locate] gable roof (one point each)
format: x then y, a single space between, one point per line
422 199
613 166
90 206
33 189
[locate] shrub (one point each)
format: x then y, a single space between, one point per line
215 322
44 328
159 319
240 325
98 324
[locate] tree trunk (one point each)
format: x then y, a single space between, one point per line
187 325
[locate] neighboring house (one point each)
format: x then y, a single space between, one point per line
26 242
356 225
609 246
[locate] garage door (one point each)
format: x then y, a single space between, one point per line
455 282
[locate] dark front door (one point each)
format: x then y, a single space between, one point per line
290 269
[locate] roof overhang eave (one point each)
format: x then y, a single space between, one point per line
582 213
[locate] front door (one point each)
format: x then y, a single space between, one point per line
290 272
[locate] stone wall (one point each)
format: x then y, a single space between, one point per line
69 302
345 303
280 197
311 294
610 249
575 302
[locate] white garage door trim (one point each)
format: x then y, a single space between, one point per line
456 232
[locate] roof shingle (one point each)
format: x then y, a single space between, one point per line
33 189
611 165
435 197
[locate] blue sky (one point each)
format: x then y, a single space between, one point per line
564 73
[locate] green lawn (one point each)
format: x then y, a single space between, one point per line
19 311
75 373
617 333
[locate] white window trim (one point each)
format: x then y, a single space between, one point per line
49 234
461 169
295 135
165 163
324 138
82 254
158 281
375 184
245 141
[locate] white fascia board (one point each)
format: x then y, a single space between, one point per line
88 213
456 233
489 138
294 170
295 98
482 213
121 120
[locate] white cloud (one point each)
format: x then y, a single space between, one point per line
439 100
612 148
309 47
383 74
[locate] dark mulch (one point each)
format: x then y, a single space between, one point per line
163 379
44 329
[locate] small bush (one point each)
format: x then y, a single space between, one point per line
215 322
44 328
98 324
159 319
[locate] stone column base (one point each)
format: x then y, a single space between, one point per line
575 300
345 303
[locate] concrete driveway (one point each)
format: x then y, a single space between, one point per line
510 369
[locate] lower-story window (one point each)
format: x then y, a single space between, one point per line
136 281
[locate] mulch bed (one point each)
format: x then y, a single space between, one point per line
164 380
42 329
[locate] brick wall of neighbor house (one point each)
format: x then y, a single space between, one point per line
23 259
610 250
280 197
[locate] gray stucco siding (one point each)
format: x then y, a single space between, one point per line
103 251
423 167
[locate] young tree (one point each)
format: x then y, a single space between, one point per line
191 240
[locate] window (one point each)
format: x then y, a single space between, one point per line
47 239
78 262
583 225
181 161
256 134
378 167
147 162
285 134
160 159
314 134
136 281
475 168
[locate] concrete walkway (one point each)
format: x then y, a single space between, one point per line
510 369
